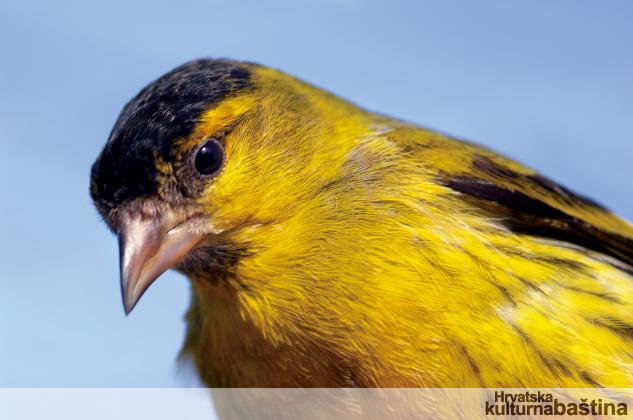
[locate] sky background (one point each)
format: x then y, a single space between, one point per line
549 83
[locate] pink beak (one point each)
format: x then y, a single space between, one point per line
148 248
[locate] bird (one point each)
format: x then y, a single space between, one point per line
330 246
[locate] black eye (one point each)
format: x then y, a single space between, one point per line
209 157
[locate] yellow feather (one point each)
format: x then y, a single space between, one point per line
365 268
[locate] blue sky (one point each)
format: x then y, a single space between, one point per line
549 83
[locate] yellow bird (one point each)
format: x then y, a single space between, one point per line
329 246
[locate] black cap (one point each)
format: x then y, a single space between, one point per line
165 110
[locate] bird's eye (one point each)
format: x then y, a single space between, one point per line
210 157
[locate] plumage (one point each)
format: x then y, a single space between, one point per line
339 247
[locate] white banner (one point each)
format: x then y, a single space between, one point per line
316 403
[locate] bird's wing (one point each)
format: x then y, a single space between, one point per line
526 201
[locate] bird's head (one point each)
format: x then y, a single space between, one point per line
205 155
